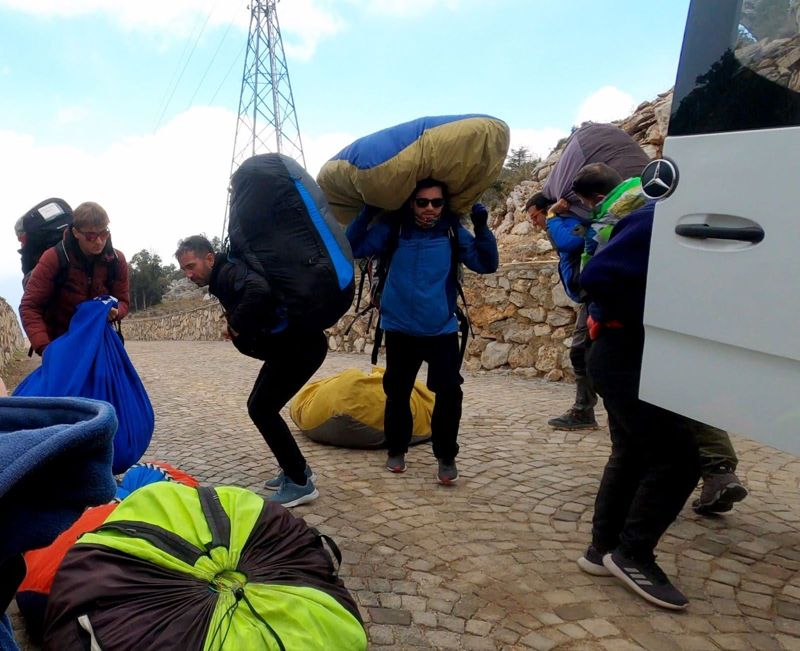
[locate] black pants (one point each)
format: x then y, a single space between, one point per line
291 357
654 463
404 356
585 396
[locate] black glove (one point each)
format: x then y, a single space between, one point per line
479 216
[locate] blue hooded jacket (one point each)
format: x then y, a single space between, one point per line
419 297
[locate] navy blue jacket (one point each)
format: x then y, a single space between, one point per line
569 247
419 297
616 277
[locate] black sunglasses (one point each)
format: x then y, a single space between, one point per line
422 203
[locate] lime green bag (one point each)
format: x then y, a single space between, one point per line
186 568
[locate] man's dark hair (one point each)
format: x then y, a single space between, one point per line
595 178
539 201
432 183
197 244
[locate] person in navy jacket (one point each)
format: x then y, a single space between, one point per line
418 311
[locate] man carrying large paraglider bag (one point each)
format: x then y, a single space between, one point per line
287 275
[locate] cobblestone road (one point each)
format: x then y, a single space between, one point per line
490 563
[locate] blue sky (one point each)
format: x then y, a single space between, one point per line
134 105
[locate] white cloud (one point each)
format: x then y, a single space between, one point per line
539 142
303 22
156 188
605 105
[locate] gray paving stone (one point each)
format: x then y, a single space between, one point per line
491 563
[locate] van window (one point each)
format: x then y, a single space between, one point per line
739 67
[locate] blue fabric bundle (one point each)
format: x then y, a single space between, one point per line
89 361
55 460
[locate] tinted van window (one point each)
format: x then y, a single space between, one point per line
739 68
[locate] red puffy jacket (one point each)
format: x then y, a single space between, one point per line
47 310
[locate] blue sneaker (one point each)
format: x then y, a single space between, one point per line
291 494
275 483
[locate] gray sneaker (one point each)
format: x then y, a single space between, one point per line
719 493
448 473
396 463
290 494
276 482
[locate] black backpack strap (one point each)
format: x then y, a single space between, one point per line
464 323
383 272
218 520
377 345
332 546
59 280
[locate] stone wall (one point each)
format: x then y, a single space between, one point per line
521 317
12 340
203 323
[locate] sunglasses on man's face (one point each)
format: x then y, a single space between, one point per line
423 203
91 236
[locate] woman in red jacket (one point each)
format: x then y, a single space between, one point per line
82 266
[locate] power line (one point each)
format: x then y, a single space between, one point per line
185 65
210 63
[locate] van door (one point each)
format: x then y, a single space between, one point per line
722 314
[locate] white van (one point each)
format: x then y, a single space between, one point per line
722 315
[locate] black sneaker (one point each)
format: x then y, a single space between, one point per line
592 562
720 492
448 473
647 580
574 419
396 463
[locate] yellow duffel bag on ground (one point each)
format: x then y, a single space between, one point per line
346 410
466 152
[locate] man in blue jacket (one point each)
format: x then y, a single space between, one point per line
560 229
426 243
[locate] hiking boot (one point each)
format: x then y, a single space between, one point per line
448 473
592 562
396 463
646 579
573 419
290 494
275 483
720 491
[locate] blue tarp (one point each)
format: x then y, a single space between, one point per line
89 361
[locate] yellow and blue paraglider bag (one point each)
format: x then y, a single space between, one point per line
466 152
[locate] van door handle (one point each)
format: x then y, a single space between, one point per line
752 234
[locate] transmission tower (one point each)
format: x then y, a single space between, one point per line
267 119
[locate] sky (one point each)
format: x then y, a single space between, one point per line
134 104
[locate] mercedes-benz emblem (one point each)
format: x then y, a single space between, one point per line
659 178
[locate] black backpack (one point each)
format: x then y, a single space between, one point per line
39 229
282 227
375 269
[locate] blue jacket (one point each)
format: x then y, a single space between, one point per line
419 297
569 246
